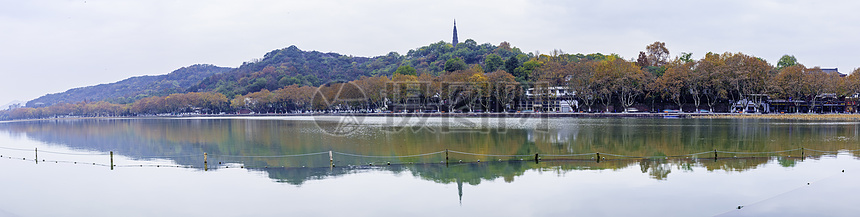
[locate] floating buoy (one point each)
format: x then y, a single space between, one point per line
843 171
461 161
479 161
389 163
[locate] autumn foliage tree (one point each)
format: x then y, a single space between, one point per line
475 77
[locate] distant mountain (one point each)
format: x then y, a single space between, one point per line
291 65
134 88
279 68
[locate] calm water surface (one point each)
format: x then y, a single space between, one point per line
275 166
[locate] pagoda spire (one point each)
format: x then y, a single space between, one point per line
455 41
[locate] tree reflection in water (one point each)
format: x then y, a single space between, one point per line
499 144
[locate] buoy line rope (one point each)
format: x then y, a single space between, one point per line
46 161
763 152
217 166
17 149
440 152
163 156
358 155
490 155
823 151
53 152
265 156
627 156
700 153
567 155
783 193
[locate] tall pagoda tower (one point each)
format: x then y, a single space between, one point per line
455 41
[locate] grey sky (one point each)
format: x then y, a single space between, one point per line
51 46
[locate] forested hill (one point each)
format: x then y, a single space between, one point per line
291 65
132 89
282 67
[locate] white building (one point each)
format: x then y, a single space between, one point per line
549 99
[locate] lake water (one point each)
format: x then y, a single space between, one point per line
387 166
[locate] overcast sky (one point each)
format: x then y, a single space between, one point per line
51 46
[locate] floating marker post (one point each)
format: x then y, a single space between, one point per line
111 160
205 161
446 157
330 159
715 154
37 155
598 157
537 158
802 156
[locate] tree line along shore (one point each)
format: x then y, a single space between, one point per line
588 83
798 116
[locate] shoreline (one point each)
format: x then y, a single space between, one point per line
792 116
800 116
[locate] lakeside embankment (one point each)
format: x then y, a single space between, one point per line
801 116
793 116
847 117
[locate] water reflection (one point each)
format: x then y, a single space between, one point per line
500 144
